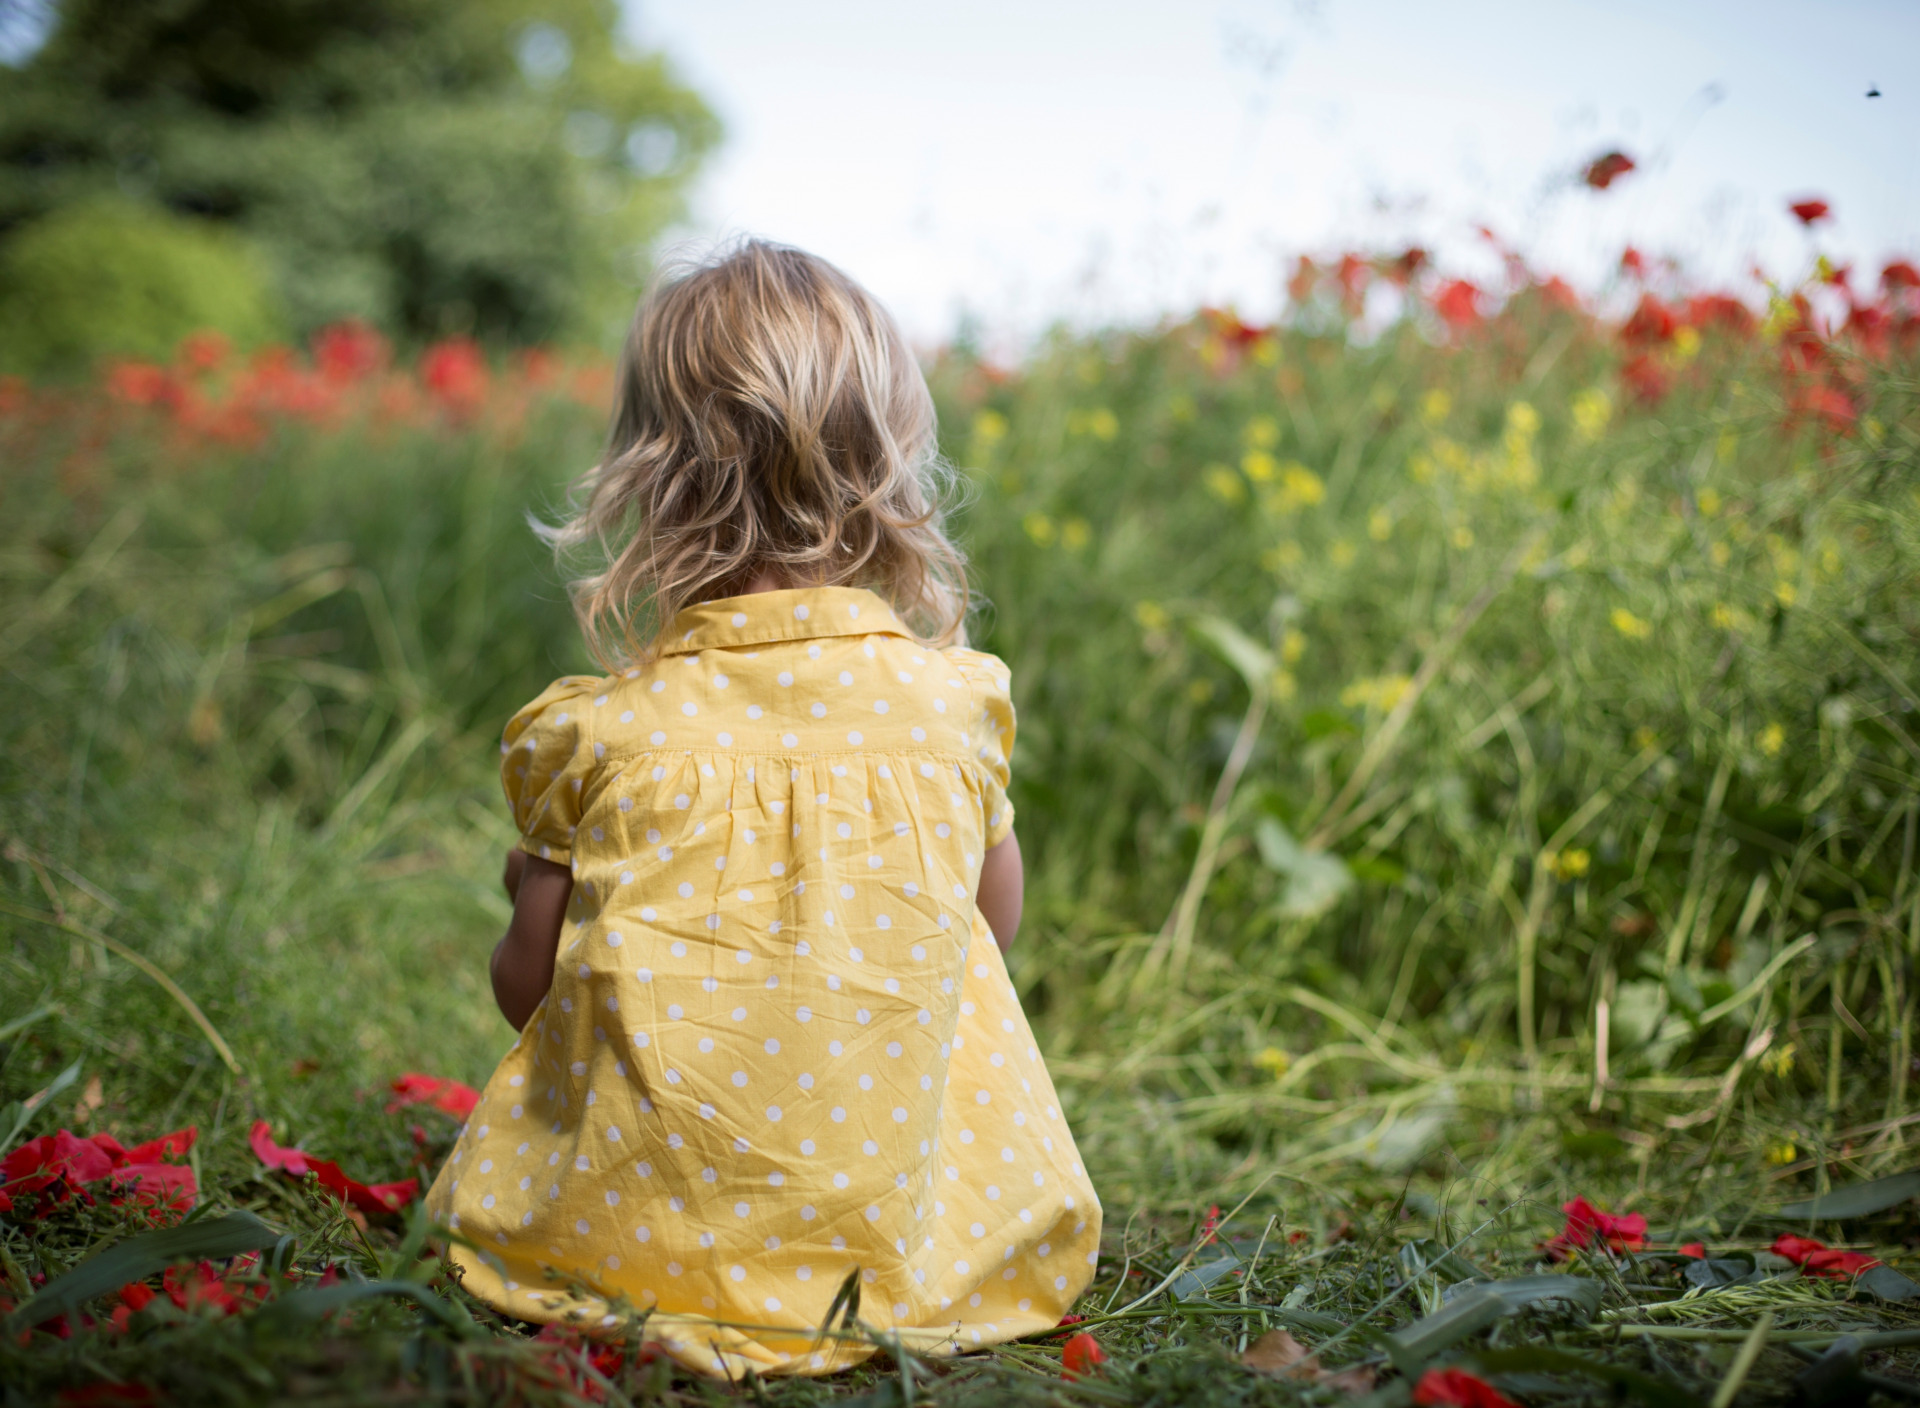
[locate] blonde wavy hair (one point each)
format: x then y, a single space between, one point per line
770 418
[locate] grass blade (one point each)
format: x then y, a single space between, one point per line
1858 1199
140 1257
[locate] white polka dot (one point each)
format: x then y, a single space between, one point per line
879 706
739 618
819 711
689 708
656 738
800 613
855 738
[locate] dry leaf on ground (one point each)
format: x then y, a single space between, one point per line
1280 1354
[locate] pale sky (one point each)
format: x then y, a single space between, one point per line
1121 160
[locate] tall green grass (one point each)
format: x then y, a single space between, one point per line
1432 766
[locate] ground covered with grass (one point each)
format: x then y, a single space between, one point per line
1467 769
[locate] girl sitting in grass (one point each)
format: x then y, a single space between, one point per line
767 1039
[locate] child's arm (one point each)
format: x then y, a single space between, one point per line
1002 881
522 964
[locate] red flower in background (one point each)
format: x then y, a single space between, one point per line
1603 171
451 1096
1652 323
1711 312
1305 275
349 351
1587 1226
1458 304
203 351
371 1198
1403 266
1080 1355
1696 1251
456 374
1899 275
1817 1259
1353 275
1807 212
1633 261
1456 1388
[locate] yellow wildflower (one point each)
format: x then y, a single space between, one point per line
1523 419
1779 1061
1435 406
1262 432
1259 466
1463 537
1039 528
1782 1153
1727 446
1644 738
1341 552
1569 864
1283 685
1300 487
1379 692
1151 615
1281 556
1379 525
989 427
1630 625
1266 351
1293 644
1772 739
1722 616
1592 409
1103 424
1874 429
1076 533
1708 501
1420 467
1275 1061
1686 345
1224 484
1786 593
1721 554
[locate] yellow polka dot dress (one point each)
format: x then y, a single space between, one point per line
780 1046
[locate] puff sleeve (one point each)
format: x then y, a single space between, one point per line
990 727
545 758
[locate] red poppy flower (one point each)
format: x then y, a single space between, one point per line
1210 1224
566 1350
1645 378
1809 211
1071 1319
57 1166
371 1198
349 351
1697 1251
1604 170
1301 284
1587 1225
106 1395
1717 311
1352 275
1899 274
202 351
1652 323
452 1096
1817 1259
1633 261
456 373
1456 1388
1080 1355
194 1287
1458 304
1403 266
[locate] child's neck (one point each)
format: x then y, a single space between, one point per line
763 581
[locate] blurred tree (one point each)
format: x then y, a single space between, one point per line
438 166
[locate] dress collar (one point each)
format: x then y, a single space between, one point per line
763 618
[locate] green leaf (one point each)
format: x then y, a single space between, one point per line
303 1308
1316 880
1534 1359
23 1115
1858 1199
1888 1284
1253 661
140 1257
1324 723
1424 1254
1477 1306
1194 1280
1600 1144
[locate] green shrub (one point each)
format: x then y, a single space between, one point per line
115 278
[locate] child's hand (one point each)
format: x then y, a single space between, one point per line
516 867
522 966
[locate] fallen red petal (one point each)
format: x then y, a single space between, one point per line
1456 1388
1079 1355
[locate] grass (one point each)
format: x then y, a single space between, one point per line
1449 786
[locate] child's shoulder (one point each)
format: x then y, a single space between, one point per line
561 705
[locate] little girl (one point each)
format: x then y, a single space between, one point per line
767 1038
